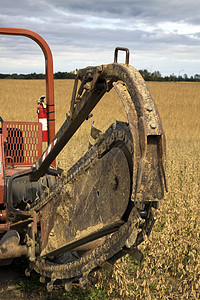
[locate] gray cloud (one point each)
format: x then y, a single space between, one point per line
150 11
86 33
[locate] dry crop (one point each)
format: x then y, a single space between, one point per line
171 268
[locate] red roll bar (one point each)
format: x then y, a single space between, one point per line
49 72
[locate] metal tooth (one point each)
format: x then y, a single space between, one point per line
68 286
83 281
28 272
84 259
50 285
42 279
108 140
90 144
135 252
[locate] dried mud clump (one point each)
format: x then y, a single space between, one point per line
57 214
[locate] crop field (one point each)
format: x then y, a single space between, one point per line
171 267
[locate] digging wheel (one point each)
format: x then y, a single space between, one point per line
102 207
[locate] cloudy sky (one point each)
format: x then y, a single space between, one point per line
162 35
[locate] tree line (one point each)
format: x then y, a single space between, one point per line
58 75
148 76
156 76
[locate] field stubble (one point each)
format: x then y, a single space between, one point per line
171 269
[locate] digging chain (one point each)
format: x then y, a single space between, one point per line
123 241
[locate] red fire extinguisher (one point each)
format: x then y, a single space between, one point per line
42 118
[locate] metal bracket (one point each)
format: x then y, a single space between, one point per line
122 49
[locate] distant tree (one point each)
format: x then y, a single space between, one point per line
63 75
180 78
59 75
145 74
197 77
156 76
4 76
172 77
148 76
185 77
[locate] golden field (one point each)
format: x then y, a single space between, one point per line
171 269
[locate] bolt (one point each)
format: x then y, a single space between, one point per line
153 125
149 108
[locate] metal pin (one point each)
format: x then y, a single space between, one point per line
149 108
153 125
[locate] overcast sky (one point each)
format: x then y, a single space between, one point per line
162 35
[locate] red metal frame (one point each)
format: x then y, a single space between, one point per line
20 152
23 144
2 175
4 226
49 72
20 146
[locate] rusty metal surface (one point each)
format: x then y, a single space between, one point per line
121 49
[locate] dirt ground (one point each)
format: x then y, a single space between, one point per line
15 285
9 280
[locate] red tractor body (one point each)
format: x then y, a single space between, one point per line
20 147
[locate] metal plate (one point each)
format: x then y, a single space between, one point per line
95 205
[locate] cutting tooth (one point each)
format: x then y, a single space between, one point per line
95 133
50 285
42 279
90 144
83 281
28 272
68 286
